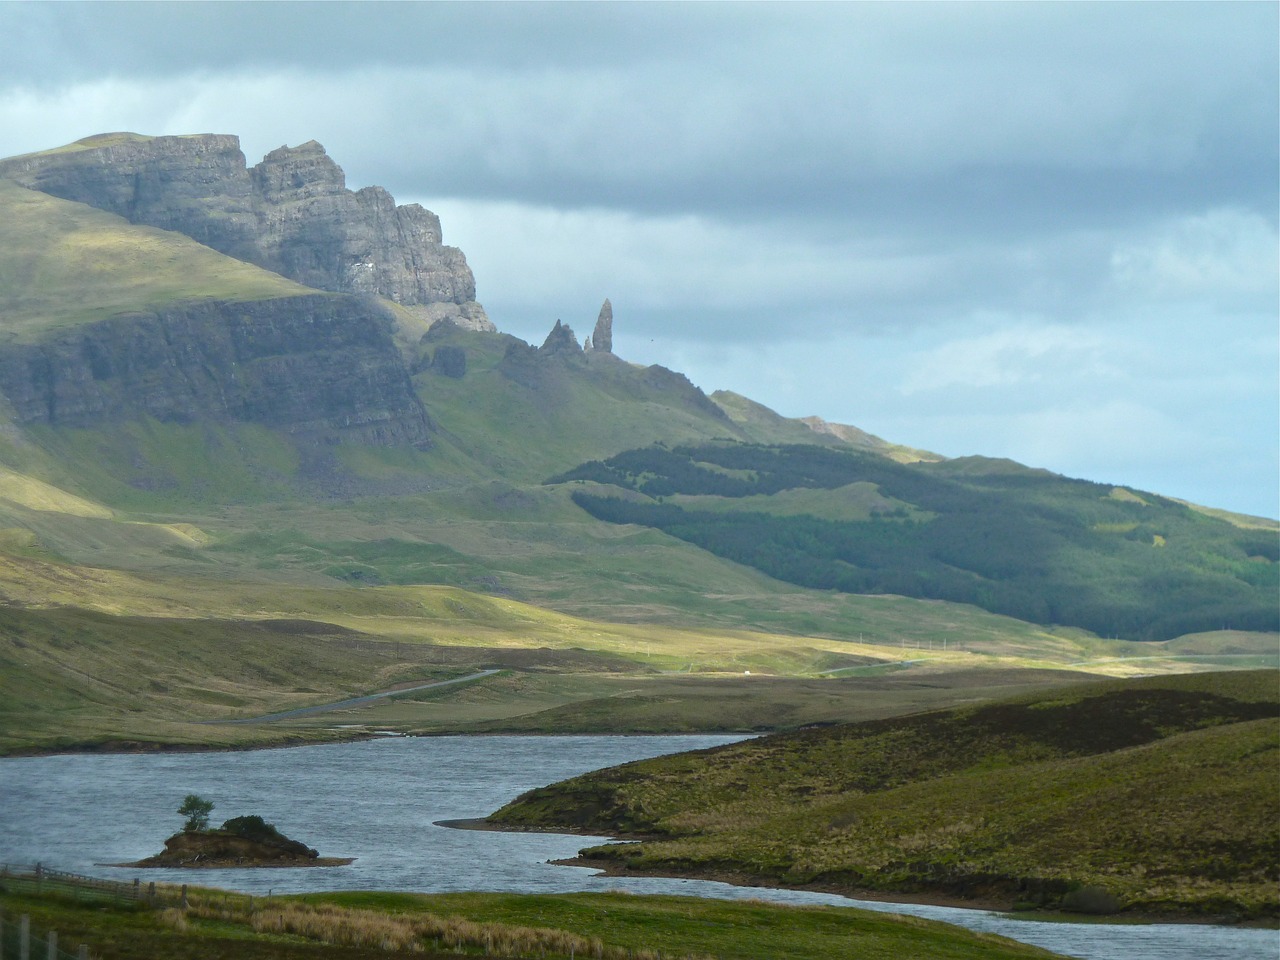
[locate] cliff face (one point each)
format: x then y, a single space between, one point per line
323 367
292 214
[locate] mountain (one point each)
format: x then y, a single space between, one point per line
256 379
291 214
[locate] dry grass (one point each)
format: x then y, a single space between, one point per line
406 933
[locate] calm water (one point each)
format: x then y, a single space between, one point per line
378 801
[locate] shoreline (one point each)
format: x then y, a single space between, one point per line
139 747
917 897
233 865
936 899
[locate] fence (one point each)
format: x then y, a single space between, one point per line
19 942
39 879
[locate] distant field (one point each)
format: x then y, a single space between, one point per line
135 658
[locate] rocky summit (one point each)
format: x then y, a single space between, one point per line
291 214
601 338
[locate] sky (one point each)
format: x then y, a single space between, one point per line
1043 231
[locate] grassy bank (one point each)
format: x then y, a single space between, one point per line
613 926
1154 796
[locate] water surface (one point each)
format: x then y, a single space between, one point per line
378 801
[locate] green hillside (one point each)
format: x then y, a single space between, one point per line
1154 796
1025 543
66 263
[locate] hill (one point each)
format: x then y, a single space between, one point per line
1155 796
1026 543
235 394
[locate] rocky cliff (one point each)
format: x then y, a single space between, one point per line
324 367
292 214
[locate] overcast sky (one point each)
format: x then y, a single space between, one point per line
1040 231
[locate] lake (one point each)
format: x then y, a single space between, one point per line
379 800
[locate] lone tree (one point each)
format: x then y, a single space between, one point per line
196 809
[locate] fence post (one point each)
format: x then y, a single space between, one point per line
51 945
184 896
83 952
137 887
24 937
39 877
151 893
1 935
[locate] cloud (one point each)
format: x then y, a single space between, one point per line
1009 119
1046 231
1018 356
1223 254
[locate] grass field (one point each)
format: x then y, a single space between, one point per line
91 655
611 926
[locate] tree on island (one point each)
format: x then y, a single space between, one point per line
196 809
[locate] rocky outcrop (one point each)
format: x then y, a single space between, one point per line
560 340
226 848
292 214
602 337
324 367
450 361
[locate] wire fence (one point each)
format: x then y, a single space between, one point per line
19 942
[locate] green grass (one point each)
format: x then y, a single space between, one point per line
616 926
104 656
1005 538
1158 793
67 263
676 926
690 704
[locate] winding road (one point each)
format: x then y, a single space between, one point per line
357 701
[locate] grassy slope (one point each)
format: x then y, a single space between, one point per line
616 926
154 655
1022 542
765 426
1159 793
136 655
66 263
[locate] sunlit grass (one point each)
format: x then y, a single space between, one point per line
67 263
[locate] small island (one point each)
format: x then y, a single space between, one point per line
240 842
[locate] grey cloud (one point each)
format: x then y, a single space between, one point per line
992 119
747 181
